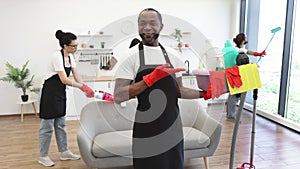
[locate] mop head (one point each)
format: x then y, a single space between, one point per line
275 30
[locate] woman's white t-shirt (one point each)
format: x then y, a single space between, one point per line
57 64
241 50
153 56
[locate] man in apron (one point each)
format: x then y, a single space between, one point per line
150 74
53 99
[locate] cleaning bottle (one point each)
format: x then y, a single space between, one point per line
104 96
230 54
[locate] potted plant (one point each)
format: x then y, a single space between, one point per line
20 78
177 35
102 44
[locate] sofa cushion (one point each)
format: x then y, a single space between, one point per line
112 144
194 139
119 143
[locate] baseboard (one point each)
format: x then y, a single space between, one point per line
275 118
17 114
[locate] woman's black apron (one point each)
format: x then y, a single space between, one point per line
157 131
53 98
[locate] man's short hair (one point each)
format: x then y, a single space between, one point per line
151 9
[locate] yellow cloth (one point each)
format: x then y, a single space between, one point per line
250 78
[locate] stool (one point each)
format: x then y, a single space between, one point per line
27 102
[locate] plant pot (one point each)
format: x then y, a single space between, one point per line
24 98
180 45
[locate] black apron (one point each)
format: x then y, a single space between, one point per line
53 98
157 131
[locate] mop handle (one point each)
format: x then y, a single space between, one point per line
270 41
267 46
255 91
236 128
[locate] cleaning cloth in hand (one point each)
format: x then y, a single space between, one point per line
217 80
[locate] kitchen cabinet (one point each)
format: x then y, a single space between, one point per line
106 86
75 101
190 82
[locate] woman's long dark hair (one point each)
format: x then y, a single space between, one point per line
238 40
65 38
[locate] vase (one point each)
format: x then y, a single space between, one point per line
24 98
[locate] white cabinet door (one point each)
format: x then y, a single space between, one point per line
106 86
190 82
75 101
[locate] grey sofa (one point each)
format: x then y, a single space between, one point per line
104 135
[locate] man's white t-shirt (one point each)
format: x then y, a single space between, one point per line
57 64
153 56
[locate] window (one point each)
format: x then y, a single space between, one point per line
270 65
279 98
293 105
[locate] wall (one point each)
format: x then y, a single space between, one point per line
28 27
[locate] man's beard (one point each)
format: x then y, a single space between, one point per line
151 42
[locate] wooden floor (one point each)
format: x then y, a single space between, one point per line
275 146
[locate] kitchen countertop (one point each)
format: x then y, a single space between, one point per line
95 79
189 77
111 78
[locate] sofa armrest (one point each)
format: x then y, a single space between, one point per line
211 128
88 130
101 117
85 142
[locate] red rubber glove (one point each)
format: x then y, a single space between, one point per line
207 94
260 53
89 92
159 73
233 76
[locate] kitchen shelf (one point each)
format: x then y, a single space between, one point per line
104 35
103 50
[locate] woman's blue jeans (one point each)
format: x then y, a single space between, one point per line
45 135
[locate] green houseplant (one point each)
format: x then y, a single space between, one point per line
20 77
177 35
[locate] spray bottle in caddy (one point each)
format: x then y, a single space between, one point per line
104 96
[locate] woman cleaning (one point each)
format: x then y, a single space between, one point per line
240 40
53 98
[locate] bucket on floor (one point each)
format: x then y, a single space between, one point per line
203 81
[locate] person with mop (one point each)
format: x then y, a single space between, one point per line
243 59
240 40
